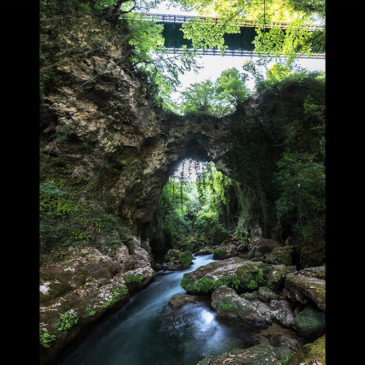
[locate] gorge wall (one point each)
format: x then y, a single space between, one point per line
99 119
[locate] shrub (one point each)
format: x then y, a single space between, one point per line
47 339
67 321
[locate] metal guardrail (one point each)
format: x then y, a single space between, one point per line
170 18
239 53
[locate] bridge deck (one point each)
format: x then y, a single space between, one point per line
238 53
239 44
170 18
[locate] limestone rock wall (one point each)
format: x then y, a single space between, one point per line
98 116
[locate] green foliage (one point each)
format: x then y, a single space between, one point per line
231 85
289 42
69 216
199 98
204 285
67 320
217 99
187 282
133 279
302 192
309 6
278 72
118 293
209 33
219 254
185 258
47 339
197 212
89 312
53 200
252 284
249 277
289 119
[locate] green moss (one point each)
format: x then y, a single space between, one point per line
249 296
185 258
187 282
249 277
228 304
133 280
309 321
89 312
219 254
119 293
310 351
204 285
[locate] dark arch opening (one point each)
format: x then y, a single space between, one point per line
198 206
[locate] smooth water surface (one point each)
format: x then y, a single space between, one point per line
147 331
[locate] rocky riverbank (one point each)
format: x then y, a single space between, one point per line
77 292
261 294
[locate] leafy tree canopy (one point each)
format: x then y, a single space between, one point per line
208 33
219 98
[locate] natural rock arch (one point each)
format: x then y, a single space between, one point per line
119 142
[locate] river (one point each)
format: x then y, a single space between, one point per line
147 331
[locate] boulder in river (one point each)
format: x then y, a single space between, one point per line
225 251
243 275
307 285
230 306
179 300
310 322
204 251
177 260
256 313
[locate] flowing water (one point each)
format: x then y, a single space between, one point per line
147 331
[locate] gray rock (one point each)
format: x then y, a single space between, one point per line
307 285
179 300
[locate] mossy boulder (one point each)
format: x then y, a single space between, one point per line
177 260
280 256
230 306
57 279
242 275
78 291
204 251
307 286
225 251
309 352
250 312
264 245
255 355
266 294
276 277
310 322
250 295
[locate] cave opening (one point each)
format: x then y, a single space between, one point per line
198 208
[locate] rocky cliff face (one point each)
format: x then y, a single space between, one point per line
98 116
105 145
